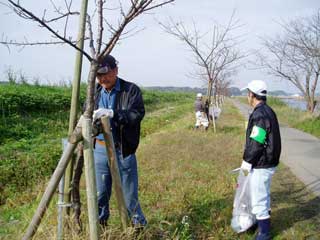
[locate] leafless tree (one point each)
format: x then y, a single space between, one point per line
109 31
222 87
215 52
294 55
98 48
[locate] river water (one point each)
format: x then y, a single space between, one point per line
300 104
295 103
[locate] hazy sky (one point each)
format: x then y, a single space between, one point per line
151 57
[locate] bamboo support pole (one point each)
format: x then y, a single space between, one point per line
60 209
60 203
52 185
53 182
115 174
214 122
90 179
75 97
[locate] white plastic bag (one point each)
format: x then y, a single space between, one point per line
242 217
216 112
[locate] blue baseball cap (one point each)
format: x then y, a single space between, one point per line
107 64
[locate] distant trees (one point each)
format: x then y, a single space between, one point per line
215 52
294 55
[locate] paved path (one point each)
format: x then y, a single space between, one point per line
300 152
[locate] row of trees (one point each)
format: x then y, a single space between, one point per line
293 55
215 53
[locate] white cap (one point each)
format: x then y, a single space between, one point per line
258 87
199 95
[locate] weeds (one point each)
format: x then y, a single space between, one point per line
186 190
34 119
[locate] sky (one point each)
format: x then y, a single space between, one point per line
150 57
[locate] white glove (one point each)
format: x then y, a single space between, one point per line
102 112
246 166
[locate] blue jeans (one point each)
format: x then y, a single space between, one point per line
260 183
129 180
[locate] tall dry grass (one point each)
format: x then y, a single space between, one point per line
186 189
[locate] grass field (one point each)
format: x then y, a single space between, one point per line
34 119
186 189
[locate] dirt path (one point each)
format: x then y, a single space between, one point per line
300 152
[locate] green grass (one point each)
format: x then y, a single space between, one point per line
180 175
296 118
311 125
186 188
34 119
26 111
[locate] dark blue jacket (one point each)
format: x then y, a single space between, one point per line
128 114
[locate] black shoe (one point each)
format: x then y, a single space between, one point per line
103 223
263 236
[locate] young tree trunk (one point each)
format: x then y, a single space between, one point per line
90 90
76 188
209 100
311 104
209 90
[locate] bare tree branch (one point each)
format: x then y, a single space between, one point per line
65 15
100 27
218 57
137 7
99 51
26 43
24 13
294 55
91 44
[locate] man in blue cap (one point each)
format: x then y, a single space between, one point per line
122 102
261 155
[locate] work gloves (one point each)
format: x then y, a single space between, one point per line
102 112
246 166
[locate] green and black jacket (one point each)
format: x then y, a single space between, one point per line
263 141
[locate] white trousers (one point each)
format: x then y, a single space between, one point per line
260 183
201 119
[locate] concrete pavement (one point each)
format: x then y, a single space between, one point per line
300 152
